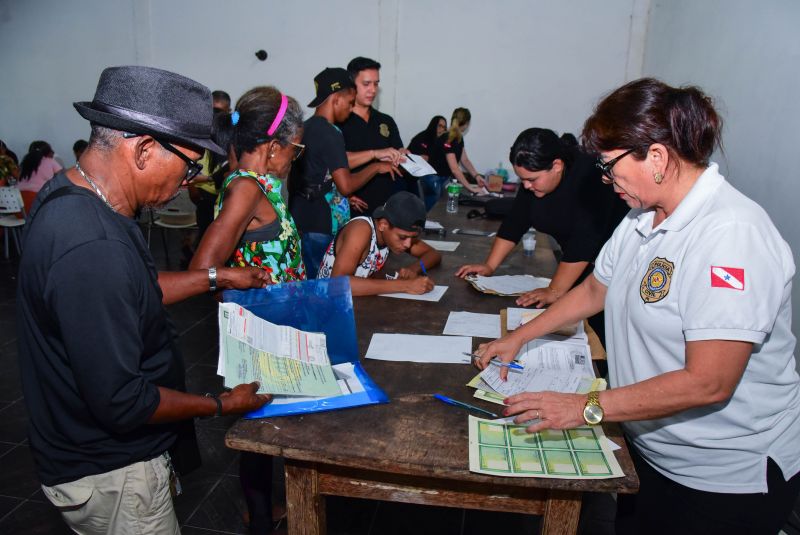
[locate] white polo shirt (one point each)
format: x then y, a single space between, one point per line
716 269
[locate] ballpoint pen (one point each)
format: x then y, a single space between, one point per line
463 405
422 265
510 365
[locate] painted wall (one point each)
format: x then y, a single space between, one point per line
748 60
516 64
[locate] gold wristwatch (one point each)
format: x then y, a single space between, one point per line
593 411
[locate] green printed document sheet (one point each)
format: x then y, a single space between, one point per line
503 449
283 359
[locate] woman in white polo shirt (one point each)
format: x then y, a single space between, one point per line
696 285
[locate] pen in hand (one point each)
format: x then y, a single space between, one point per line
422 265
509 365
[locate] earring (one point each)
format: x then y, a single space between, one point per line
658 177
271 154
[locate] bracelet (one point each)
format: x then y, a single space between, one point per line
218 413
212 279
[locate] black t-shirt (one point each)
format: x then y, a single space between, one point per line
94 338
312 176
580 214
421 144
440 150
380 132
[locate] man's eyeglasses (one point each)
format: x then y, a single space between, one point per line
606 168
193 168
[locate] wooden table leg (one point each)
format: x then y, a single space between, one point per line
305 512
561 513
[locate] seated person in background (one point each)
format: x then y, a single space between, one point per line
78 147
8 165
36 168
448 155
371 135
362 248
422 144
562 195
321 180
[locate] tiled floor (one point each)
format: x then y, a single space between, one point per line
211 502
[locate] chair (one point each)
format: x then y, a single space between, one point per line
10 206
179 213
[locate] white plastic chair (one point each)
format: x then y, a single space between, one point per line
179 213
10 205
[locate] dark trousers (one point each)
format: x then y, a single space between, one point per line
665 507
255 477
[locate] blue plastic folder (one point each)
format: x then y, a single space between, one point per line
320 305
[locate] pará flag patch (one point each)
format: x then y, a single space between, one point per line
727 277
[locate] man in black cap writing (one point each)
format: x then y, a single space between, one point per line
322 181
102 376
362 248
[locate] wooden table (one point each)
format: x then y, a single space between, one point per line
415 449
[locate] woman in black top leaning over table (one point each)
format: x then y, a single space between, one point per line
449 155
561 195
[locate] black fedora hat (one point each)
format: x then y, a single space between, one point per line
145 100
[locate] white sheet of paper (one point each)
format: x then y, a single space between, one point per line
511 284
515 317
419 348
433 225
473 324
433 296
417 166
531 379
439 245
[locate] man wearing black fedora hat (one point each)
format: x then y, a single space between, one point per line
102 376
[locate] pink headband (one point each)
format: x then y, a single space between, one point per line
278 118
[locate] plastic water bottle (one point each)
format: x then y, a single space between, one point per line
452 196
502 172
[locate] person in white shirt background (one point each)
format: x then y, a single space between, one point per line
696 285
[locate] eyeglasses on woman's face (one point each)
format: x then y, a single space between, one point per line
606 167
298 150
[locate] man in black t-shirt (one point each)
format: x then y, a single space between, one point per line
371 135
321 181
102 374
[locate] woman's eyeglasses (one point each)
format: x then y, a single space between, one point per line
298 150
606 168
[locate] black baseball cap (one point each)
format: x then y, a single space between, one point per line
403 210
330 81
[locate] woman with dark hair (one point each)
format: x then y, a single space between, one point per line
562 196
253 226
697 284
422 144
448 155
36 168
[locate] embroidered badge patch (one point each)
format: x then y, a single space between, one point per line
384 129
727 277
655 284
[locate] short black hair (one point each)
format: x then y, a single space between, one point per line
360 63
221 95
80 145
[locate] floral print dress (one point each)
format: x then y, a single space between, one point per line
279 257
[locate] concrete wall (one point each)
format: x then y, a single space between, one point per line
745 54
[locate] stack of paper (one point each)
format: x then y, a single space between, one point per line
554 366
285 360
507 284
515 317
